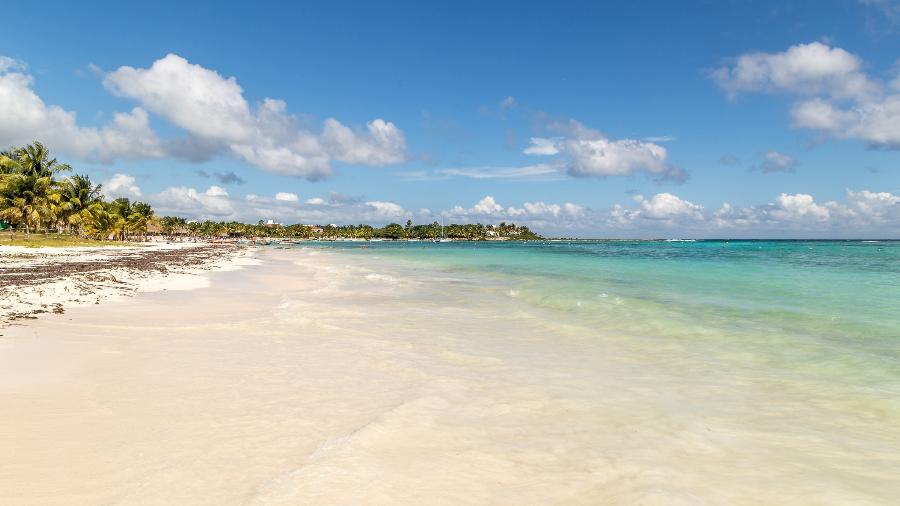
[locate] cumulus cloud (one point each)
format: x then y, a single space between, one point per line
121 185
836 96
287 197
813 68
213 110
382 143
774 161
665 206
387 209
24 117
215 191
194 98
214 203
588 153
489 210
210 108
863 214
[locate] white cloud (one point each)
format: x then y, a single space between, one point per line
864 214
805 68
774 161
387 209
287 197
25 117
540 208
215 191
381 144
209 107
588 153
213 110
487 206
839 98
194 98
531 213
798 207
665 206
315 201
543 146
121 185
879 207
214 203
874 121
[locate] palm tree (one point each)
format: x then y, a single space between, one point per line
34 159
78 194
140 217
27 186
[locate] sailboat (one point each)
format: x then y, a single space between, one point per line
442 239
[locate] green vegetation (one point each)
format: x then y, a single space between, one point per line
37 201
170 225
34 198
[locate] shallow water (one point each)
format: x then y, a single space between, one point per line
719 372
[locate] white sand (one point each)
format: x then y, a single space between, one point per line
103 284
314 379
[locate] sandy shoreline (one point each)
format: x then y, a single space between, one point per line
315 377
36 281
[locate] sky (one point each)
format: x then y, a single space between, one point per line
640 119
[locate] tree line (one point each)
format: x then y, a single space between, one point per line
40 194
173 226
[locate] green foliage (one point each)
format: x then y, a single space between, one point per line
472 232
33 197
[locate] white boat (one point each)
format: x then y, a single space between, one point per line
442 239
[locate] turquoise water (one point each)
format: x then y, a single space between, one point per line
845 293
829 308
746 367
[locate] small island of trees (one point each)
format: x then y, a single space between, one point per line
39 195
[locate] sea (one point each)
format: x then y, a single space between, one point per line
636 372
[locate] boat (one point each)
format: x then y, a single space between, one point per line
442 239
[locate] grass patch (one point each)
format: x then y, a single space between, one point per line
53 241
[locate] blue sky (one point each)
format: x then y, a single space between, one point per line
649 118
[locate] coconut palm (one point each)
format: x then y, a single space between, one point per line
34 159
27 187
77 194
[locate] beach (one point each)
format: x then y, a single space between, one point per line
34 281
463 374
